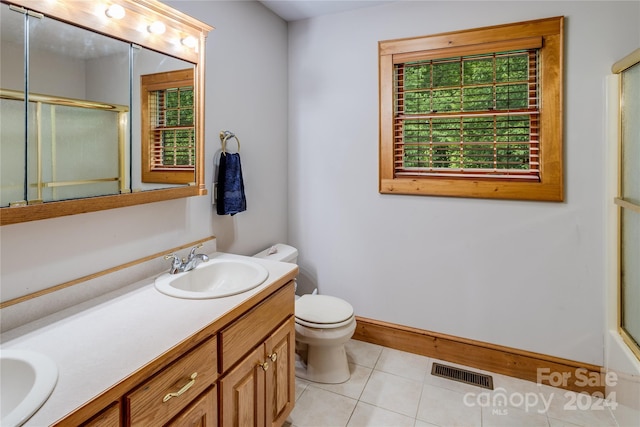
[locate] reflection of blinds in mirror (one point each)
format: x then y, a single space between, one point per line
168 127
173 131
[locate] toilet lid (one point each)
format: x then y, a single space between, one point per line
323 309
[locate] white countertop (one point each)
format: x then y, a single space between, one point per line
98 343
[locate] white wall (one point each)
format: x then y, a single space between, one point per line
522 274
246 87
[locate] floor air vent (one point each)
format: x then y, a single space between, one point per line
457 374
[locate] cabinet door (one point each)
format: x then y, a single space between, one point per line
242 392
280 377
203 412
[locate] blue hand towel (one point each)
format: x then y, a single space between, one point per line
231 198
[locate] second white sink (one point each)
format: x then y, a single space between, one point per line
213 279
28 378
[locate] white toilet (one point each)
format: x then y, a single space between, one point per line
323 325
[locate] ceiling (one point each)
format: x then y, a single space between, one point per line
294 10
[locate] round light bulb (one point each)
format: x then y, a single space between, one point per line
189 42
157 28
115 11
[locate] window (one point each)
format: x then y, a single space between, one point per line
476 113
168 127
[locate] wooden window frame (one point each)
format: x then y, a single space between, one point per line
550 186
151 83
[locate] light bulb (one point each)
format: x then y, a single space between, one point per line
189 42
115 11
157 28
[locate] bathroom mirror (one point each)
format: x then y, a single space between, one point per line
75 144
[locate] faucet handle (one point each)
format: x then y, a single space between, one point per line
175 263
176 260
193 250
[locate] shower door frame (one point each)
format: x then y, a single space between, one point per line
622 205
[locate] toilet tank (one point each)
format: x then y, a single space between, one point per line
280 252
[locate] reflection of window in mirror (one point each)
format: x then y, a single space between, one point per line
168 127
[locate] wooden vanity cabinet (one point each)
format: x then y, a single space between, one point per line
244 366
260 390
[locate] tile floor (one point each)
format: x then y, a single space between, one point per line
394 388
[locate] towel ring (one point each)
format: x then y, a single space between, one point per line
224 137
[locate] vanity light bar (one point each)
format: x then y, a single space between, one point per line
118 12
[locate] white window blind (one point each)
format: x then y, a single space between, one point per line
173 132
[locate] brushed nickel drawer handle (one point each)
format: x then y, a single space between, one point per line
273 357
264 365
184 388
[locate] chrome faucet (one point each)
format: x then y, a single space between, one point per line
186 264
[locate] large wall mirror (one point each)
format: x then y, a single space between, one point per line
102 106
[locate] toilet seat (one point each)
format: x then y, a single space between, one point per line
323 312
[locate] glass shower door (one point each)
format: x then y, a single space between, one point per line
628 202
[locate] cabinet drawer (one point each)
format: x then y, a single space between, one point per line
250 329
151 404
110 417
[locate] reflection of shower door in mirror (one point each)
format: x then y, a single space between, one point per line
76 149
71 150
629 203
75 117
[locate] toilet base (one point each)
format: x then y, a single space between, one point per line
326 365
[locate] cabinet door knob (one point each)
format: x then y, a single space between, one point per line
264 365
184 388
273 357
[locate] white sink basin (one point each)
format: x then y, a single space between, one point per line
27 378
213 279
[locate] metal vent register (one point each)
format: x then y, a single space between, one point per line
457 374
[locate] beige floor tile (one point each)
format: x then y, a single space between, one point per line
509 417
366 415
559 423
352 388
403 364
363 353
321 408
625 416
301 386
517 385
420 423
392 392
447 408
581 409
530 400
